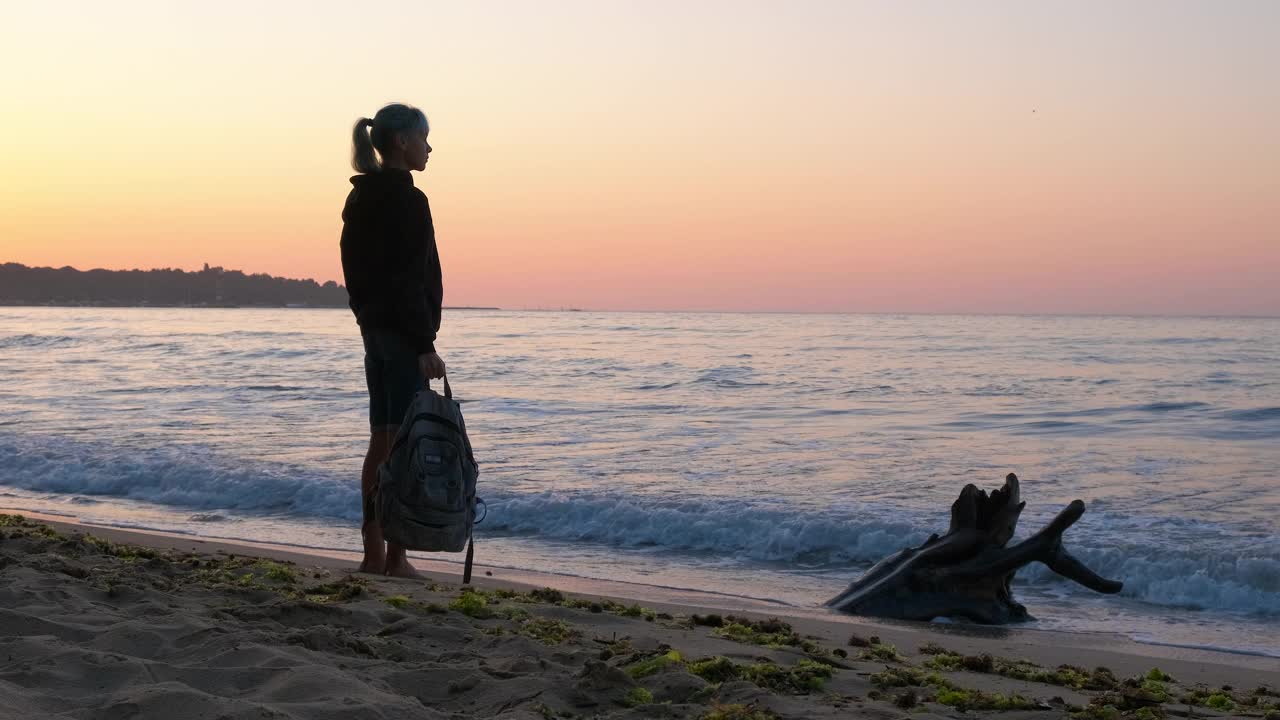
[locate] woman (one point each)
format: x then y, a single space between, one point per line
392 272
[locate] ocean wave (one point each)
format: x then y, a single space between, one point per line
728 376
208 518
1194 578
172 347
1198 565
732 527
260 333
1191 340
186 477
654 386
1157 407
870 390
1262 414
1241 577
29 340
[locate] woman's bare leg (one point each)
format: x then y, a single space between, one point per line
375 549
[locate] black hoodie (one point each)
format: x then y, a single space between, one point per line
389 257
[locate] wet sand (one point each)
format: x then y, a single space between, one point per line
107 623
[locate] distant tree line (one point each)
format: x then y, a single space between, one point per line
212 286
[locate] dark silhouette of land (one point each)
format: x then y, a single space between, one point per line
167 287
212 286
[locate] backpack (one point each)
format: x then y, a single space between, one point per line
425 498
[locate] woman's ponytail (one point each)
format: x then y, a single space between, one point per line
370 138
363 159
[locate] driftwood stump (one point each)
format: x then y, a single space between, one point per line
967 572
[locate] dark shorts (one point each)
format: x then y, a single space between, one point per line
391 370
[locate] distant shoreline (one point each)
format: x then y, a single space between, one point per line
208 306
210 287
1136 316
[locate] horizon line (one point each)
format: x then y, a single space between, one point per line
484 308
473 306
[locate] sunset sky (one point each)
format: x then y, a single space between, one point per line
1098 157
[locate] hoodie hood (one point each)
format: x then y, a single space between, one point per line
384 178
371 192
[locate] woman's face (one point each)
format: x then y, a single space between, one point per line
416 149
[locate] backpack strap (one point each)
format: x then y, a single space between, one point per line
466 568
448 391
368 509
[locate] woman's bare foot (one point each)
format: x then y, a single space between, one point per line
375 554
400 567
398 563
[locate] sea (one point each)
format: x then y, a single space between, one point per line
765 456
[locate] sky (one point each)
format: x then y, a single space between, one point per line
897 156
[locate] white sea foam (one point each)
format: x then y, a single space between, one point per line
1244 576
185 477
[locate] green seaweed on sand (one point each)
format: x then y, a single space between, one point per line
337 591
649 666
1156 689
715 670
546 631
1216 699
472 604
1127 703
513 613
637 696
280 572
965 700
1064 675
635 611
748 635
908 677
737 711
1220 701
770 633
545 595
606 606
480 605
22 527
944 661
882 652
120 550
1097 711
805 676
947 692
933 648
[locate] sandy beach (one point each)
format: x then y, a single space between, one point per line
107 623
